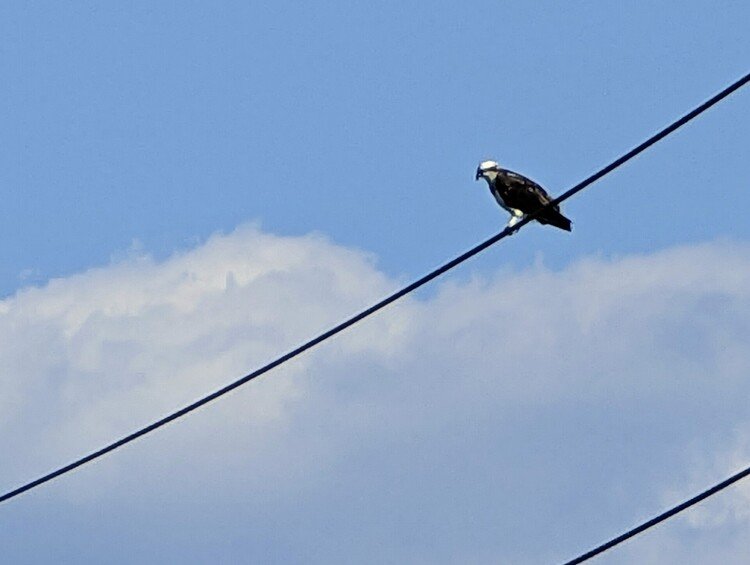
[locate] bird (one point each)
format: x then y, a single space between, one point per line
520 196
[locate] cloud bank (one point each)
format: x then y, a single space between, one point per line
519 418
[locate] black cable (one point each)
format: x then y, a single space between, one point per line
660 518
380 305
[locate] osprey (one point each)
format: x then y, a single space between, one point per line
520 196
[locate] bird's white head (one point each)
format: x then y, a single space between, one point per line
487 170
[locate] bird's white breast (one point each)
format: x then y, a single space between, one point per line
499 199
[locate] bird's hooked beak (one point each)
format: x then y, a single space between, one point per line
478 175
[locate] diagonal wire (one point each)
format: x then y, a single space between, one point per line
380 305
660 518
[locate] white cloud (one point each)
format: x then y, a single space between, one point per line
472 425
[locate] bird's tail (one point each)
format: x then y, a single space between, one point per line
555 218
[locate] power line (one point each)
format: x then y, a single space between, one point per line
660 518
383 303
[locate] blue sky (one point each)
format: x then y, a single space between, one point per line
165 123
133 136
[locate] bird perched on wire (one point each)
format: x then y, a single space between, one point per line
520 196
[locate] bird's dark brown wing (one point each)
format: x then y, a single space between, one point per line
522 193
